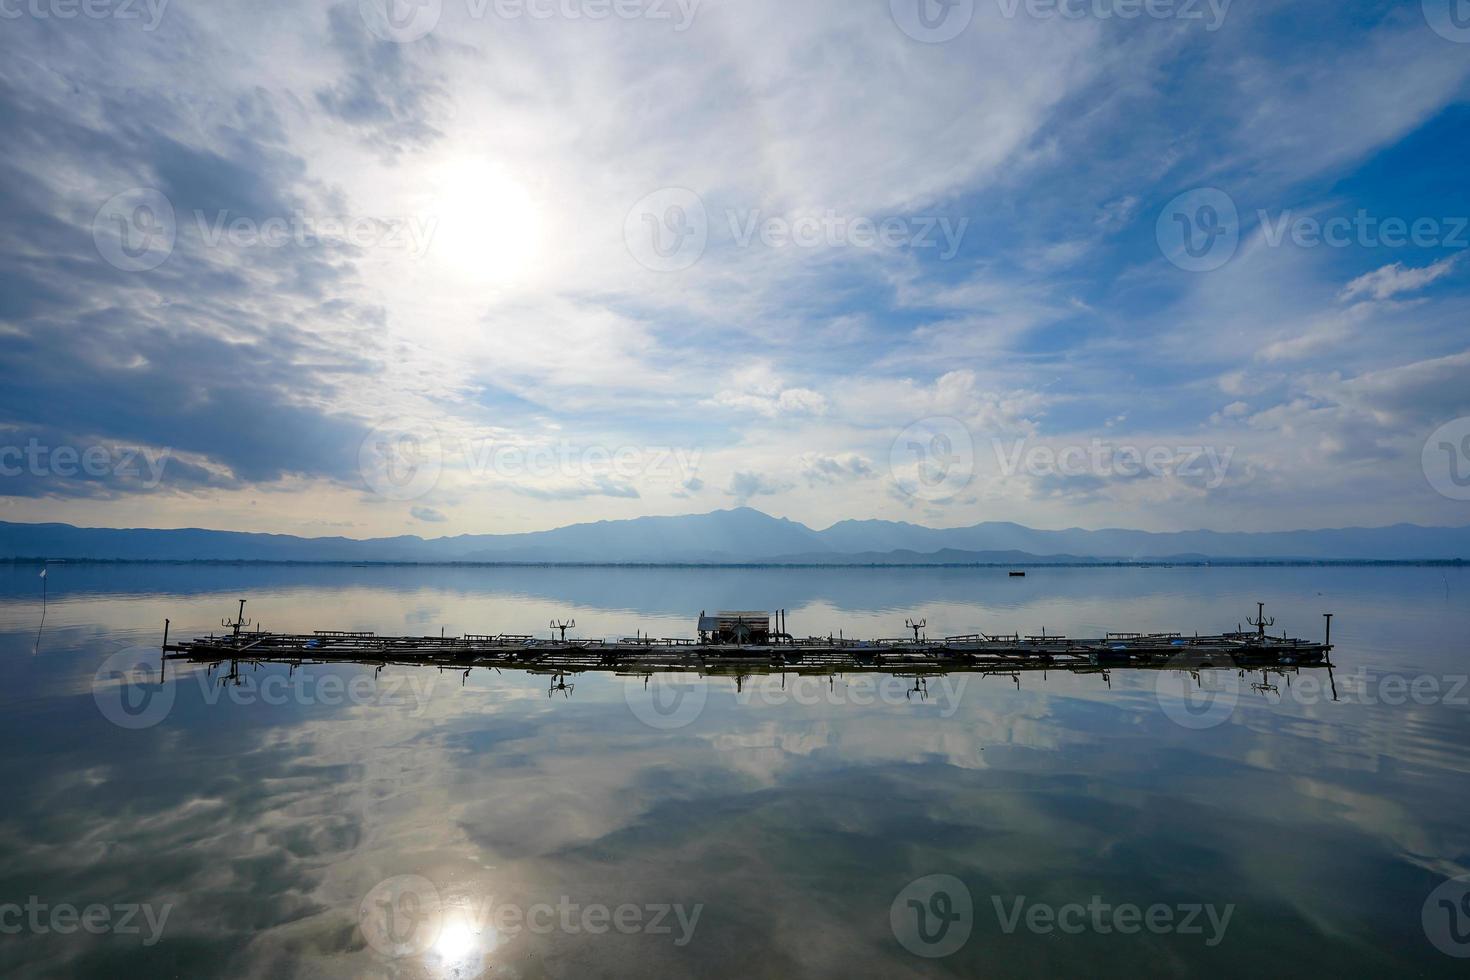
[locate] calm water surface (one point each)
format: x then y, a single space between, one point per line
329 823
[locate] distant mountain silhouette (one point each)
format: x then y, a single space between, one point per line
745 535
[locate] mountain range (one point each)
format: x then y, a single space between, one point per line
746 535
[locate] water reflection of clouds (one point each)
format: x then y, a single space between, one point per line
794 824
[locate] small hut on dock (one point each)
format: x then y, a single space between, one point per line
741 627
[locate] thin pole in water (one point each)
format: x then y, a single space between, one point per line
36 648
163 655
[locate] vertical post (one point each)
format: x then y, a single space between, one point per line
165 634
1327 640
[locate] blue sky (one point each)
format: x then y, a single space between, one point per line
502 266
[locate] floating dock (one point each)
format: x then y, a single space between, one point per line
758 642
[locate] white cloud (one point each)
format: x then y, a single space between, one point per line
820 468
793 368
757 388
1390 280
745 485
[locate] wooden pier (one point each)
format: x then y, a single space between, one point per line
759 643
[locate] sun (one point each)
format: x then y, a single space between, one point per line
460 949
487 227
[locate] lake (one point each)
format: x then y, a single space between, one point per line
330 822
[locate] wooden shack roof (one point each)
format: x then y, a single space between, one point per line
728 618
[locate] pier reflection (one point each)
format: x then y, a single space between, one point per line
1194 675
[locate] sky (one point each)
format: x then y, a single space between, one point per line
473 266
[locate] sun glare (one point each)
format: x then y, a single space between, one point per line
488 228
459 951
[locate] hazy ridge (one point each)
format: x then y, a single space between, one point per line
747 535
